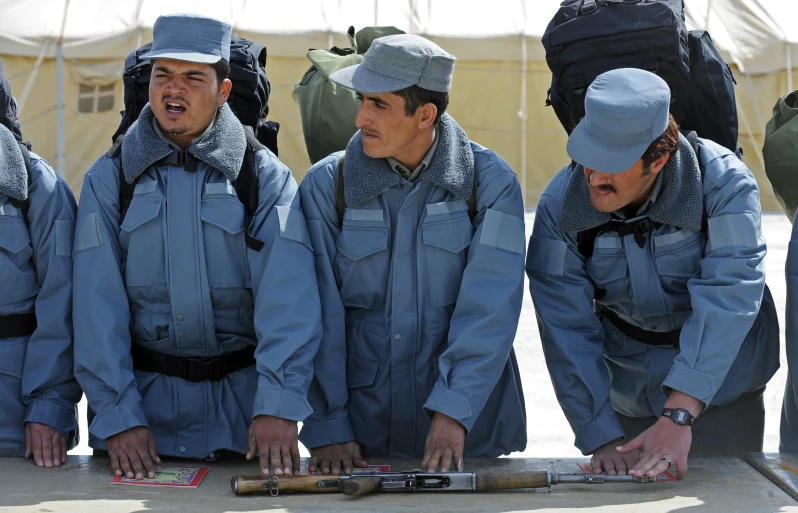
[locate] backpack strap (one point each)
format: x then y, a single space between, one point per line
246 184
126 190
340 200
472 200
24 205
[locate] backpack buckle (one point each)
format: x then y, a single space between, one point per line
577 85
589 7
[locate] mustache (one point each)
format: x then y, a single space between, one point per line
177 98
606 188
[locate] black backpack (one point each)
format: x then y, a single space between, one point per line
589 37
8 118
249 101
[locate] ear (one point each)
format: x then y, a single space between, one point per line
224 92
426 115
658 164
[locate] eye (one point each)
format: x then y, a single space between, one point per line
379 106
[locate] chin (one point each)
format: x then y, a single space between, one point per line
602 206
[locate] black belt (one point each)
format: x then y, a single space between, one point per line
17 325
192 368
652 338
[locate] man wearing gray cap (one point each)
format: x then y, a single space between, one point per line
195 323
645 268
419 241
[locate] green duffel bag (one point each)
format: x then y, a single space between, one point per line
328 110
781 153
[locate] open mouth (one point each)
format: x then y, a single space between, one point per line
174 108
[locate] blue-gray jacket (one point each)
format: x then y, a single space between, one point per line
37 383
420 305
177 278
708 284
789 411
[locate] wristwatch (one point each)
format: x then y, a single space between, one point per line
679 416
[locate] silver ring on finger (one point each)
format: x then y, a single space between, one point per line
666 460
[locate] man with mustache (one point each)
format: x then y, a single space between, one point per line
418 234
645 268
195 324
38 390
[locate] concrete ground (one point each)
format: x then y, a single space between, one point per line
550 436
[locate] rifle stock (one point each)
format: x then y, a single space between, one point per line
511 479
250 485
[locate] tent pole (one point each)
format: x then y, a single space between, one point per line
789 67
522 114
59 106
59 70
32 77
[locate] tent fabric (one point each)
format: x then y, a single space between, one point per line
497 44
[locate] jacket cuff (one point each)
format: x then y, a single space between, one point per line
316 433
281 403
601 431
691 382
451 404
118 419
50 413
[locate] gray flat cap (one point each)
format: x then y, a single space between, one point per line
190 37
396 62
625 111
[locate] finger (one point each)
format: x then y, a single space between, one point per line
285 452
28 444
434 461
347 464
263 457
335 464
446 460
55 443
36 442
274 461
63 442
314 463
124 463
153 450
646 463
358 459
325 466
658 468
620 466
609 466
47 450
146 462
295 457
138 468
637 443
115 466
597 464
425 461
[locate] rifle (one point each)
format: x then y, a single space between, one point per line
368 481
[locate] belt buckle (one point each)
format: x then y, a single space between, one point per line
202 368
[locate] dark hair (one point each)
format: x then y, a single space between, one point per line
222 69
666 144
415 97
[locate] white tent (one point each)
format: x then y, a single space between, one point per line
60 52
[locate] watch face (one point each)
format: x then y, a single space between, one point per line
681 416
